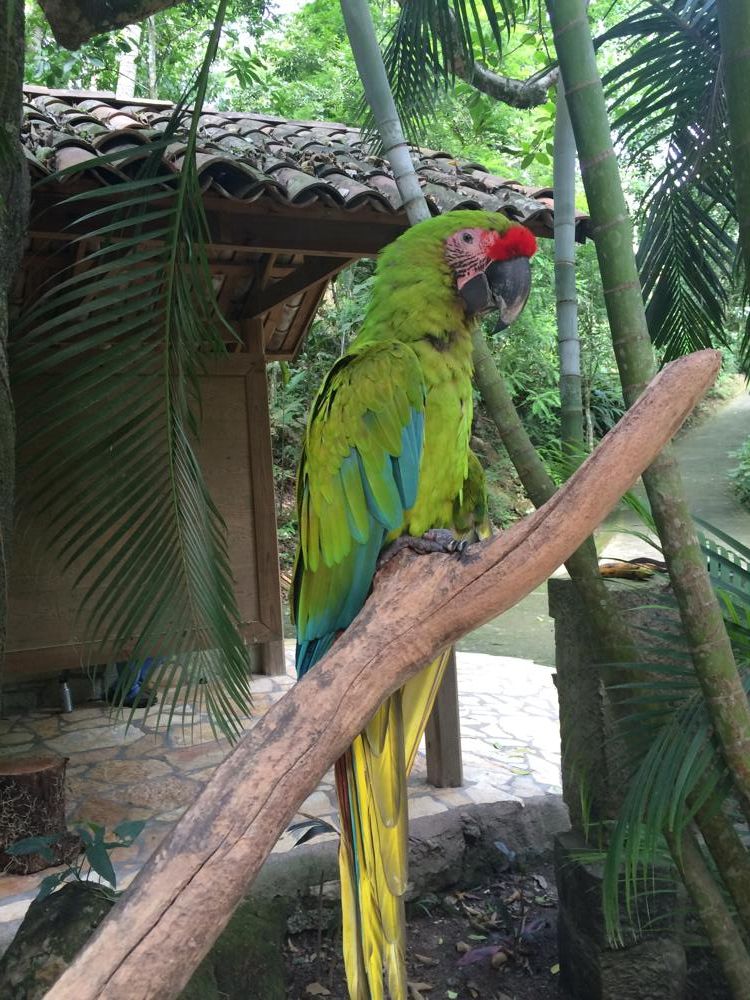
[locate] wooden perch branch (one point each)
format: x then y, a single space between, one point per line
153 940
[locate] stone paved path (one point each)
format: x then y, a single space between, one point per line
510 743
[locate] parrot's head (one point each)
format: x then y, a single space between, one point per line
489 261
441 275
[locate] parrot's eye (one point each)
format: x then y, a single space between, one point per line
467 238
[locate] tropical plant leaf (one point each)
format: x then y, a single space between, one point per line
430 37
677 763
668 92
685 261
108 363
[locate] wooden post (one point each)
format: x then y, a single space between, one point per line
263 500
443 733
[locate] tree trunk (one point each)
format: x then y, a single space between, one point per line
153 90
369 60
700 612
734 31
126 70
32 804
74 22
724 936
568 343
14 197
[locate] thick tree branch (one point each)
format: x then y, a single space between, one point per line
153 940
522 94
516 93
74 22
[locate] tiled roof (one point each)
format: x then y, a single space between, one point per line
248 157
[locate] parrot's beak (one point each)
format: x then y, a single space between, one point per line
504 287
510 284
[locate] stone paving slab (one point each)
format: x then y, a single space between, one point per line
510 742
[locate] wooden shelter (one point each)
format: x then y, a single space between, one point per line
288 205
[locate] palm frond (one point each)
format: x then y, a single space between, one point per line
668 92
685 262
677 764
106 366
430 37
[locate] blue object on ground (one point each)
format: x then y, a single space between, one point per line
124 668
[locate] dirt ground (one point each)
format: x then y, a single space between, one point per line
494 941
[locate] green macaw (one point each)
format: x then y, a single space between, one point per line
386 455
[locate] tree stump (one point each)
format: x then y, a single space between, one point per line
32 804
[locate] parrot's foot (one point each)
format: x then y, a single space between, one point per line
434 540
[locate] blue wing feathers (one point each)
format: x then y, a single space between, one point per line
379 479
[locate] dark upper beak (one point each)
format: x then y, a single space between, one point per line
504 286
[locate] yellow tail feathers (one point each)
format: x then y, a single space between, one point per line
373 856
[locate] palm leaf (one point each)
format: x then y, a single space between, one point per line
677 764
685 260
427 40
106 364
668 91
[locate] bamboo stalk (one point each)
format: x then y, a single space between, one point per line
701 615
566 297
367 56
707 898
699 609
615 643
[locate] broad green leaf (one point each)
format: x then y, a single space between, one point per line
98 857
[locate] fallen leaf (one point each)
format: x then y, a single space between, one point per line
451 994
477 937
541 881
554 969
514 897
498 959
426 959
317 990
462 947
421 987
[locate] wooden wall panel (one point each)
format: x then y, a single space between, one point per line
43 635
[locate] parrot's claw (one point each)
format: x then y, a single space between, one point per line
435 540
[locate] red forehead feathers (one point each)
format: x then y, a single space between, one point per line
517 241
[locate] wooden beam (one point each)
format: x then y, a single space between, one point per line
263 501
443 733
150 943
311 273
261 226
48 661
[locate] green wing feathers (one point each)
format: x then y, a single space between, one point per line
358 476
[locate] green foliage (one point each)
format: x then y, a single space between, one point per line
678 766
93 859
668 95
108 362
293 387
427 40
740 474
